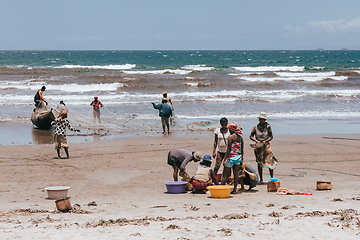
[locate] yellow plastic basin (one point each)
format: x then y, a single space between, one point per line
220 191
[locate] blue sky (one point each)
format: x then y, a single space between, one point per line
179 25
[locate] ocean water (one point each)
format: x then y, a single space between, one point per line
302 92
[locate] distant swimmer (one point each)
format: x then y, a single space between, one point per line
96 104
38 98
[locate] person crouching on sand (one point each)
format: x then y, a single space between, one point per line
165 113
248 176
204 176
179 158
60 140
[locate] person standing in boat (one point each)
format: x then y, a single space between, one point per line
60 140
38 98
96 104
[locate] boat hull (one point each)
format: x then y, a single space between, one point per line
42 119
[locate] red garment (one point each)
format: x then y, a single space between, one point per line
96 105
200 185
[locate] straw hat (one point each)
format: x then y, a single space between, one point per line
197 156
262 115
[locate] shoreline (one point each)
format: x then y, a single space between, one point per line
125 177
20 133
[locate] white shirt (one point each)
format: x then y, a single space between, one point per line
222 140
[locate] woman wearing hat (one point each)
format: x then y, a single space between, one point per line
179 158
261 134
204 175
234 155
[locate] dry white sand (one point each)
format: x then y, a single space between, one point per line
126 178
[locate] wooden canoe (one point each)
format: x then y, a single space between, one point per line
42 118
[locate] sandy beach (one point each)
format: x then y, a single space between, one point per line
119 185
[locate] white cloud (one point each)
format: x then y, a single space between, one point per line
326 27
335 26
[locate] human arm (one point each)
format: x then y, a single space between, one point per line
242 147
270 135
186 160
184 171
42 98
172 106
70 127
230 142
215 145
213 178
252 135
156 106
101 105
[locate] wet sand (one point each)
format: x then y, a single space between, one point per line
125 178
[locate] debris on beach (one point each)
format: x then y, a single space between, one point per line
93 203
337 200
288 207
275 214
193 208
236 216
346 217
226 231
172 226
270 205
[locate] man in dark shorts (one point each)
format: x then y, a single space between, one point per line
179 158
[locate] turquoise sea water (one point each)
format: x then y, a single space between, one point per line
298 89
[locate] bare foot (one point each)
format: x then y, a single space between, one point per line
241 190
233 192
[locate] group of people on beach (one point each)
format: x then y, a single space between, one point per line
61 123
228 150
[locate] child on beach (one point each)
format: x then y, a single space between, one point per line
60 140
204 175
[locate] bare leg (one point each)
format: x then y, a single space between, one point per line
241 181
217 163
260 174
271 171
58 153
67 152
163 126
168 127
225 176
236 177
175 173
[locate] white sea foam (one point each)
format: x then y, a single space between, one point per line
197 68
72 87
163 71
270 69
109 67
294 78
